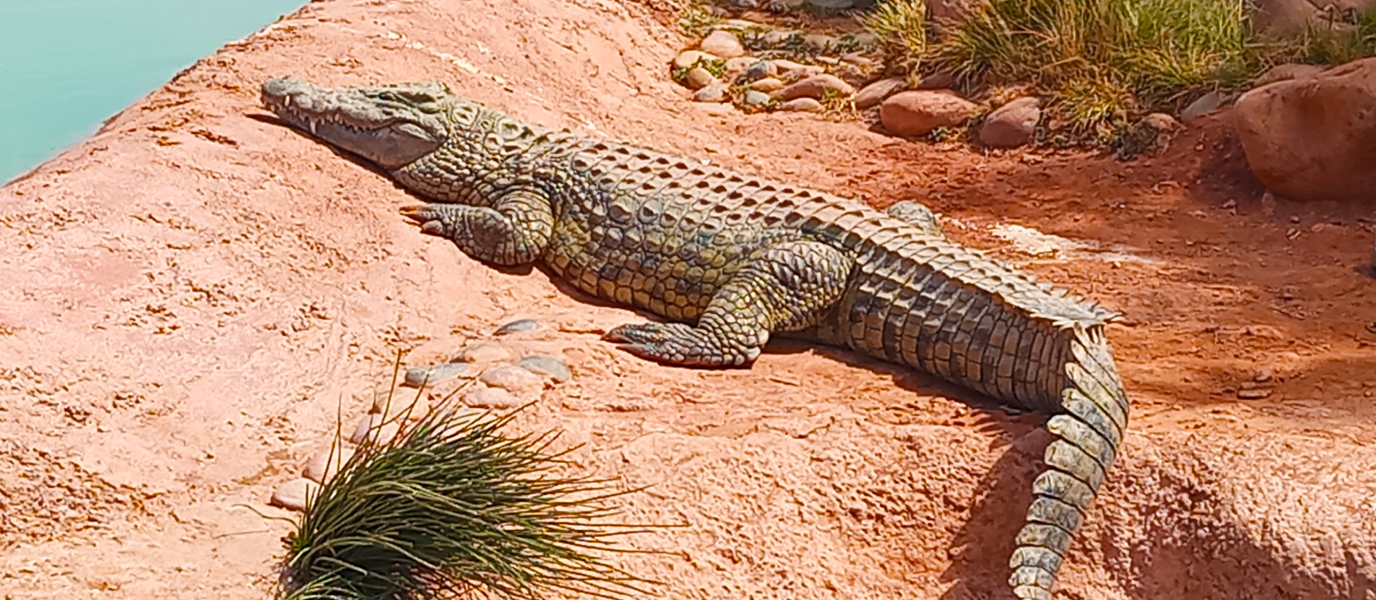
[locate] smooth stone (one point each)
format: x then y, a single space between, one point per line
801 105
778 37
483 352
761 70
377 428
915 113
415 408
1012 125
326 463
790 68
295 494
722 43
488 397
1202 106
874 93
816 87
688 58
738 65
418 376
712 93
768 84
512 378
818 41
699 78
520 324
1162 122
547 365
756 99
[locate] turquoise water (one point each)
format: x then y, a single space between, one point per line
67 65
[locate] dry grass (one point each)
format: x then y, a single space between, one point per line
901 26
1103 63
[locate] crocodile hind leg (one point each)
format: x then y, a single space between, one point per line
785 287
514 231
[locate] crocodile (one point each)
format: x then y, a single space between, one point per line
727 259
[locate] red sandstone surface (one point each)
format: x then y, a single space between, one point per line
193 295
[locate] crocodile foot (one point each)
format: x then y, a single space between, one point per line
679 344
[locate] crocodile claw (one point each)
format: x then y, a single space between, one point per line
432 218
420 212
642 333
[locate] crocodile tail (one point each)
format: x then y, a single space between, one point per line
1088 433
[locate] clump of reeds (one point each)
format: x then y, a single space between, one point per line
452 506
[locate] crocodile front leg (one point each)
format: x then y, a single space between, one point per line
514 231
785 287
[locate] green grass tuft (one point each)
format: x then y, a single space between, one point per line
697 20
452 506
1322 43
901 27
1107 58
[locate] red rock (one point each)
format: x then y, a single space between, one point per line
1314 138
918 112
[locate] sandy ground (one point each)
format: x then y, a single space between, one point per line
192 295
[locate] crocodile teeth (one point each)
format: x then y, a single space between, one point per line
312 127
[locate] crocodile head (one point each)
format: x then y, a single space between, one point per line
391 126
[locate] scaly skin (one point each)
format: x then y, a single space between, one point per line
730 259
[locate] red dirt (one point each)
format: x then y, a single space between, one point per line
192 292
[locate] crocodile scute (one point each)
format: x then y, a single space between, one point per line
729 259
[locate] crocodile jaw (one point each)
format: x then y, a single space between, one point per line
390 126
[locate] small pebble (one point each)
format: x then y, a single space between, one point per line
1264 375
722 43
375 427
689 58
323 466
874 93
793 71
487 397
801 105
756 99
1202 106
1253 394
816 87
699 78
418 376
513 379
483 352
760 70
716 92
739 64
768 84
361 431
415 408
819 41
778 37
858 59
518 325
546 365
295 494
